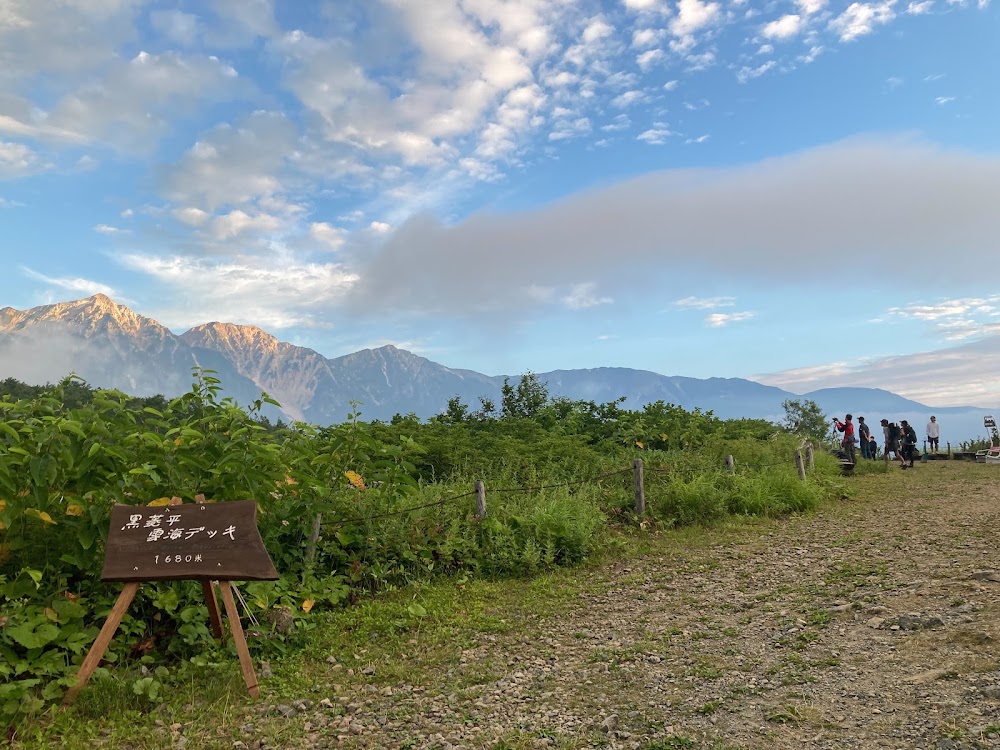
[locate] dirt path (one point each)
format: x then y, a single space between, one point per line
872 624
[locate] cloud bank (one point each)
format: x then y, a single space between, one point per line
794 218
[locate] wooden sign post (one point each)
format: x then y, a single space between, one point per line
212 543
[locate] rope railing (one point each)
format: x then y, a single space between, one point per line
404 511
637 470
587 480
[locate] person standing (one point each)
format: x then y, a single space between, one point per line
891 433
847 427
933 433
909 438
865 436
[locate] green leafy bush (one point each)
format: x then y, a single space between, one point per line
344 511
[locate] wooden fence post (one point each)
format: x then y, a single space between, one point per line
730 464
640 490
800 466
313 539
480 499
810 460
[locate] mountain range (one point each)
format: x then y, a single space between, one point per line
109 345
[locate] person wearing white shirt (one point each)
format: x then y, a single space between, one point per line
933 433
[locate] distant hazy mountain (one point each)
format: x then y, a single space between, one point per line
111 346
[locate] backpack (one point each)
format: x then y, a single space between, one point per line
893 432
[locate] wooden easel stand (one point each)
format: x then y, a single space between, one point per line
96 653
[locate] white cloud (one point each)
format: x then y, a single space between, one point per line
133 102
670 85
783 28
233 165
278 293
862 18
461 61
17 160
620 122
627 99
107 229
815 51
704 303
193 217
961 307
719 320
583 296
699 139
919 8
237 222
643 5
809 7
656 136
596 30
327 234
693 16
649 58
76 285
956 376
746 73
944 100
179 27
570 128
642 38
380 227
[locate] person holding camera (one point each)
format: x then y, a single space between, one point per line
846 427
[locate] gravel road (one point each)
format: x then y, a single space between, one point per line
872 623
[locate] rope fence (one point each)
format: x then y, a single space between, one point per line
637 470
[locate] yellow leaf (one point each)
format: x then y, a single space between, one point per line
177 441
355 479
3 505
41 515
289 480
160 502
74 510
308 604
639 445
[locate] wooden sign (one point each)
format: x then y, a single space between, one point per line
203 542
214 543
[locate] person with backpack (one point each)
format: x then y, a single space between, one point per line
909 437
891 432
846 427
865 436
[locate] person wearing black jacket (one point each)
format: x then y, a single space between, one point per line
864 436
891 432
909 437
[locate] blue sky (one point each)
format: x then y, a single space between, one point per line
800 192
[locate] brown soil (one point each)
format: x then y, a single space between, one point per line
873 623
